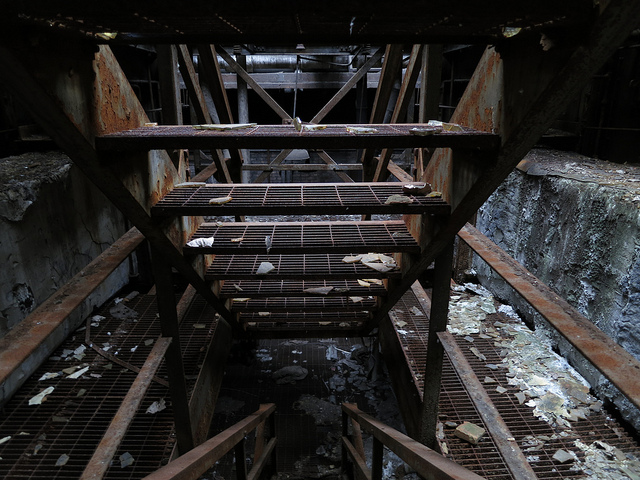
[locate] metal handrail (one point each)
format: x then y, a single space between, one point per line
197 461
426 462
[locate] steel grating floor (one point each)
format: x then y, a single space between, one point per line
333 137
308 267
76 414
304 304
250 238
287 199
291 288
456 406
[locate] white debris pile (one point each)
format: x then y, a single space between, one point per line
557 393
467 312
375 261
606 462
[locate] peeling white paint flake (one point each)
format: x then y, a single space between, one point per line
157 406
39 398
78 374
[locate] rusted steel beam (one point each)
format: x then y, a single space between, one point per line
330 161
391 68
266 167
169 85
570 74
188 72
359 463
260 463
507 445
169 326
196 462
615 363
340 94
211 76
281 157
435 353
398 172
253 84
205 173
101 459
430 84
333 137
200 105
28 339
422 459
402 104
207 388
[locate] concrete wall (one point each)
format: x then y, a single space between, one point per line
574 222
53 222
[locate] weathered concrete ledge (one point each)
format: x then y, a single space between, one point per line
574 222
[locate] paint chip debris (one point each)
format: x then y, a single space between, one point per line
265 268
157 406
41 397
62 460
126 460
201 242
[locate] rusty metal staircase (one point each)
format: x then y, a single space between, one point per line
78 92
309 290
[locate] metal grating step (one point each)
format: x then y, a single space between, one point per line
304 304
333 137
297 330
315 237
296 199
259 318
292 288
303 267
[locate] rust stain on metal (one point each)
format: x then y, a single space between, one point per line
621 368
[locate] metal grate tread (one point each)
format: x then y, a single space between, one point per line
304 317
314 237
76 414
292 288
305 304
307 199
303 267
300 330
286 136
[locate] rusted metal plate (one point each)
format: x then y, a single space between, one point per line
286 136
621 368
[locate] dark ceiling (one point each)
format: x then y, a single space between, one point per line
336 22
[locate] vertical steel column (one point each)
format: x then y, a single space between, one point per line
435 351
243 99
166 300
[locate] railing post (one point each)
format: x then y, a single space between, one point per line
273 469
345 433
376 459
241 461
